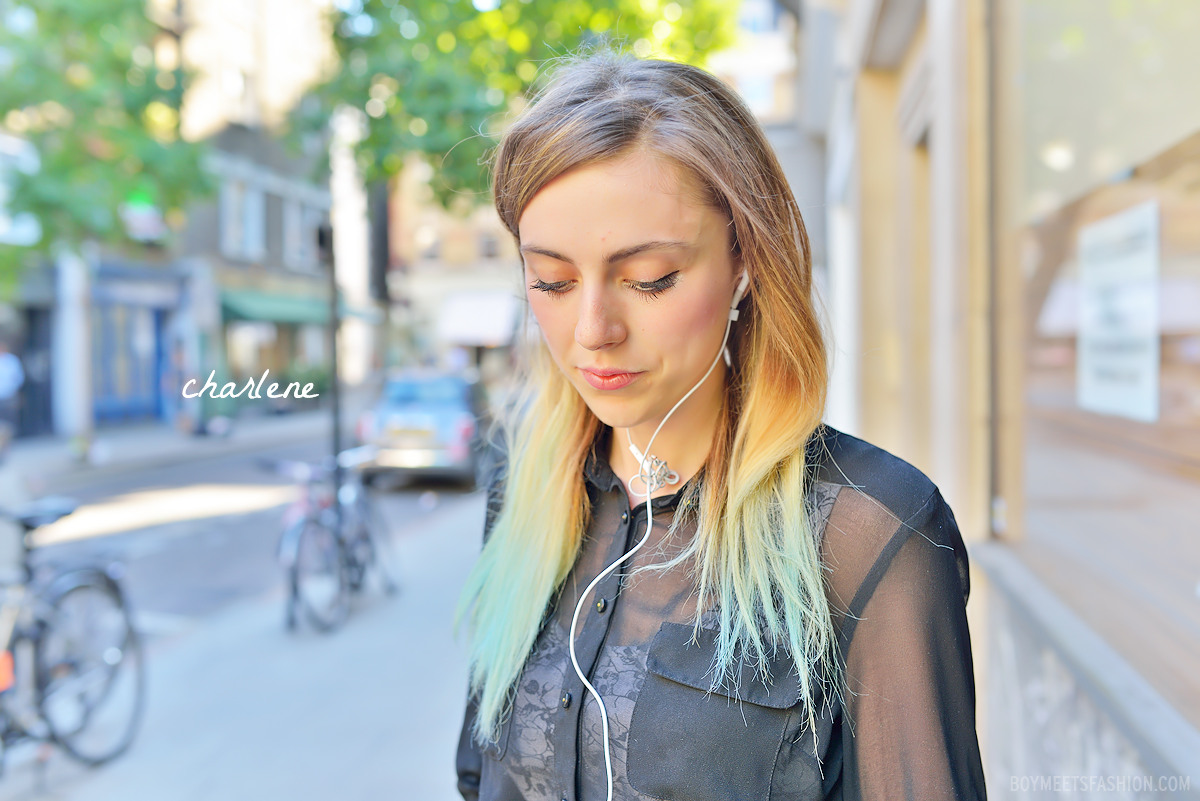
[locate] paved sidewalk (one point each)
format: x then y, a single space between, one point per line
240 710
50 461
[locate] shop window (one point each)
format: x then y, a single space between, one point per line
312 344
1112 413
250 345
242 221
300 224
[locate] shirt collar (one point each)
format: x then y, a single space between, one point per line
599 473
596 469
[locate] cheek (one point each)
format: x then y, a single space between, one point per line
688 338
555 321
683 336
699 319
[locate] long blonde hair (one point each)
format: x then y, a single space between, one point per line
756 556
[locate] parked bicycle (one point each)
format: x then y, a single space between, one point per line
71 670
326 564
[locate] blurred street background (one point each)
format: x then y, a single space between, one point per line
1003 201
237 707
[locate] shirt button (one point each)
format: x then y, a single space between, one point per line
624 517
566 700
601 605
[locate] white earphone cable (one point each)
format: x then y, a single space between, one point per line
733 315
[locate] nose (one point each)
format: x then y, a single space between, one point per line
599 325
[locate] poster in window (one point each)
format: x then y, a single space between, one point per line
1118 350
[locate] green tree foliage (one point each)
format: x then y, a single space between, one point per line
437 77
91 85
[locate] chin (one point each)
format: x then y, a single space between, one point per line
614 413
612 417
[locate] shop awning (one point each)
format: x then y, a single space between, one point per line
250 304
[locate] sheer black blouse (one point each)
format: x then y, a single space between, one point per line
897 584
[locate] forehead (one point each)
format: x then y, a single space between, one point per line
638 195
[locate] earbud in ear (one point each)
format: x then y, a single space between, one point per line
738 294
741 290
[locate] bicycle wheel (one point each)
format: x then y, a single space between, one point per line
90 669
319 581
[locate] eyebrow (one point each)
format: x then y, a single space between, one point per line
617 256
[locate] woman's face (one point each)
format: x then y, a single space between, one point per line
630 278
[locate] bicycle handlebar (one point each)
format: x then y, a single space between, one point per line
41 512
308 472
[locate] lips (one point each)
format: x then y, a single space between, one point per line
608 378
607 372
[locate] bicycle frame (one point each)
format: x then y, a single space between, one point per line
342 514
311 505
315 501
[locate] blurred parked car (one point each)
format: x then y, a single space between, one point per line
426 424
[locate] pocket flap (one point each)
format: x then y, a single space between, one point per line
674 656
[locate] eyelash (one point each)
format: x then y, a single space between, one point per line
650 289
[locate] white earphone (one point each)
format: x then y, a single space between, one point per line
738 294
733 311
646 477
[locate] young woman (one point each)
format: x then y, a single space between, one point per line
691 588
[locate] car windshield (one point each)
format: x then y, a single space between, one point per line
435 390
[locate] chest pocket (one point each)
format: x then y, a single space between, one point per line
687 744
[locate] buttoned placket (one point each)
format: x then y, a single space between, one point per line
594 623
596 618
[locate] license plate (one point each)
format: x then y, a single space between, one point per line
397 432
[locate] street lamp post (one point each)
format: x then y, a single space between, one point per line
325 251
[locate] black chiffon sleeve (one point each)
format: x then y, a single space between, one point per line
469 759
909 722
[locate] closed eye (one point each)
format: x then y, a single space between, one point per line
557 288
650 289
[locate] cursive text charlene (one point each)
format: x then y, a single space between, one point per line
253 387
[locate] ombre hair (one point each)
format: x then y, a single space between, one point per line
755 557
